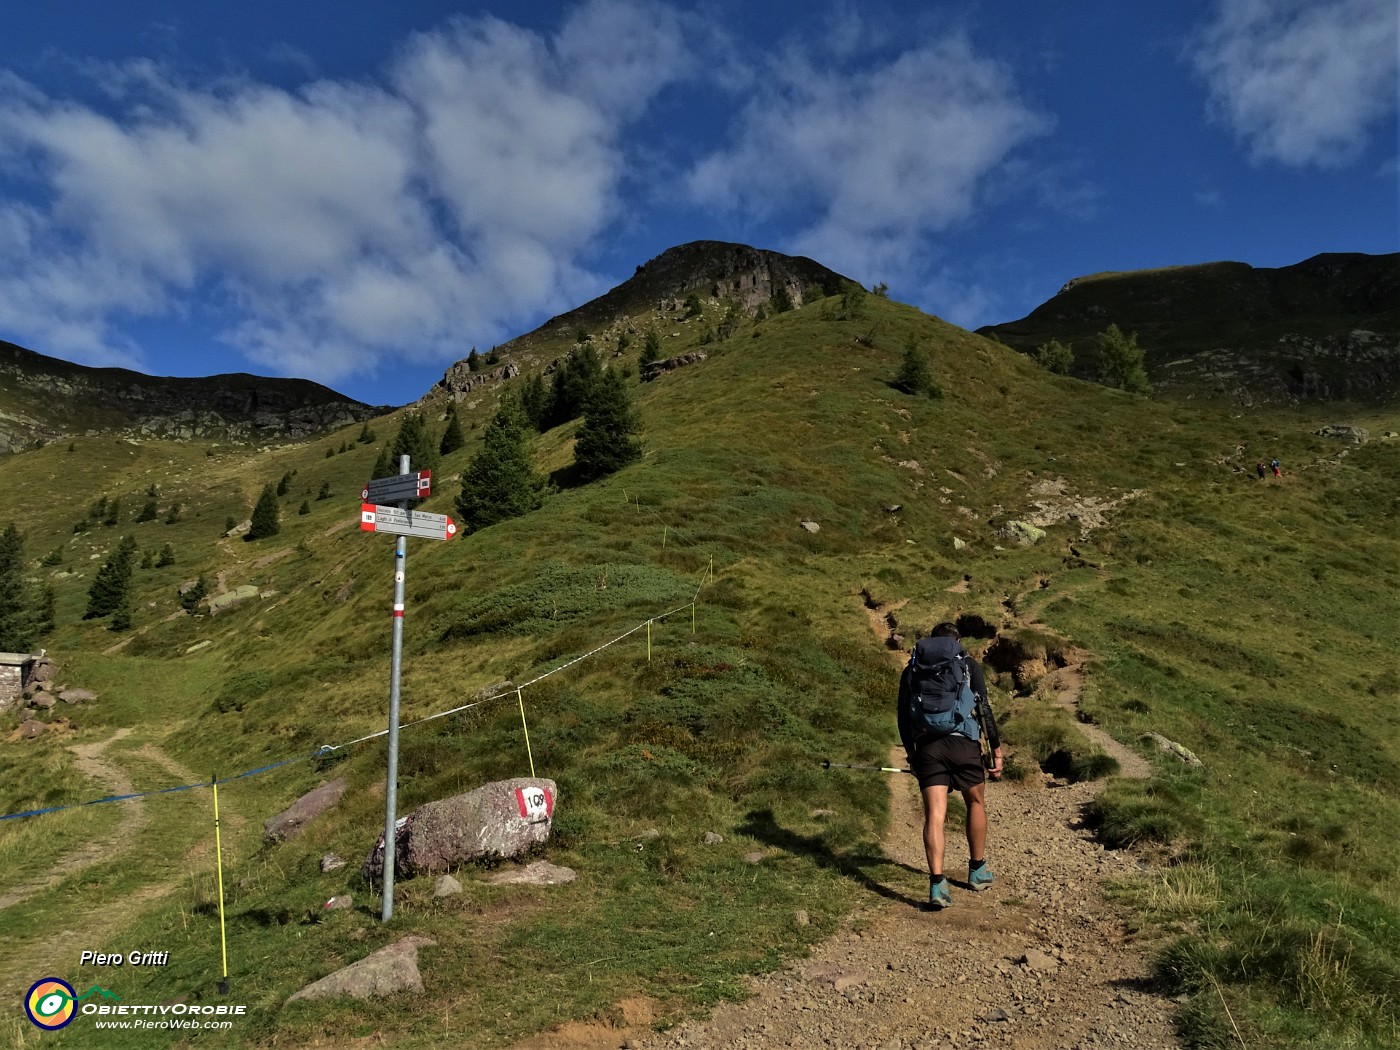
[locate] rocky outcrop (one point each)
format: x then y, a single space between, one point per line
660 368
57 394
460 380
498 820
1343 432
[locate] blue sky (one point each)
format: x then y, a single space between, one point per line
359 192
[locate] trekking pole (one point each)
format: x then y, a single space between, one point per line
829 764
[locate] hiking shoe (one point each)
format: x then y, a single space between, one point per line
980 879
939 896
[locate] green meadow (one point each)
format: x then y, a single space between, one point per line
1253 622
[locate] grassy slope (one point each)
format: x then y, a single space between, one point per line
1250 622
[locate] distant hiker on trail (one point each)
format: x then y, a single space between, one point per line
943 713
1274 466
1260 469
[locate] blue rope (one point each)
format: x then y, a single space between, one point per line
324 749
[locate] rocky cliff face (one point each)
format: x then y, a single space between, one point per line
45 399
1326 328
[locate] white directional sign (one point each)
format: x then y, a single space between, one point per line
399 486
378 518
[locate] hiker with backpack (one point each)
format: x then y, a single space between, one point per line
943 716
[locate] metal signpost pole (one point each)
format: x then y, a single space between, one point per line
391 793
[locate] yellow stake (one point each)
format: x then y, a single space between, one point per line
648 641
521 697
219 855
692 617
664 530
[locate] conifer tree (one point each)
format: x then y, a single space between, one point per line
366 435
18 625
121 615
325 492
284 484
47 611
573 384
915 376
382 467
452 437
167 556
535 401
651 347
305 507
473 361
190 600
113 580
265 516
114 509
500 482
149 511
173 515
414 439
605 443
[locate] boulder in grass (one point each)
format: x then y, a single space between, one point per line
498 820
77 696
295 817
389 971
32 727
1022 533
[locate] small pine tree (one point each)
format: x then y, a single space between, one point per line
366 436
853 300
114 510
383 467
573 384
623 342
915 376
473 361
54 557
535 401
693 306
1121 361
605 444
882 290
167 556
149 511
17 621
284 483
493 358
452 437
330 452
47 612
98 510
414 439
781 300
305 507
190 600
651 347
1055 356
121 615
148 560
325 492
113 580
265 516
173 515
500 482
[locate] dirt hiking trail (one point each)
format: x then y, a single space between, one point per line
1041 961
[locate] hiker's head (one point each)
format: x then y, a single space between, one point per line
945 630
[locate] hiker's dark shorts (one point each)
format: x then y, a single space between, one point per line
952 761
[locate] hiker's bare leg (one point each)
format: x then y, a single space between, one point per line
976 799
935 810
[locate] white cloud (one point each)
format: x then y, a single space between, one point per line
344 223
1301 82
879 157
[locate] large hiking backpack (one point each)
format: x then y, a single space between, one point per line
941 699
